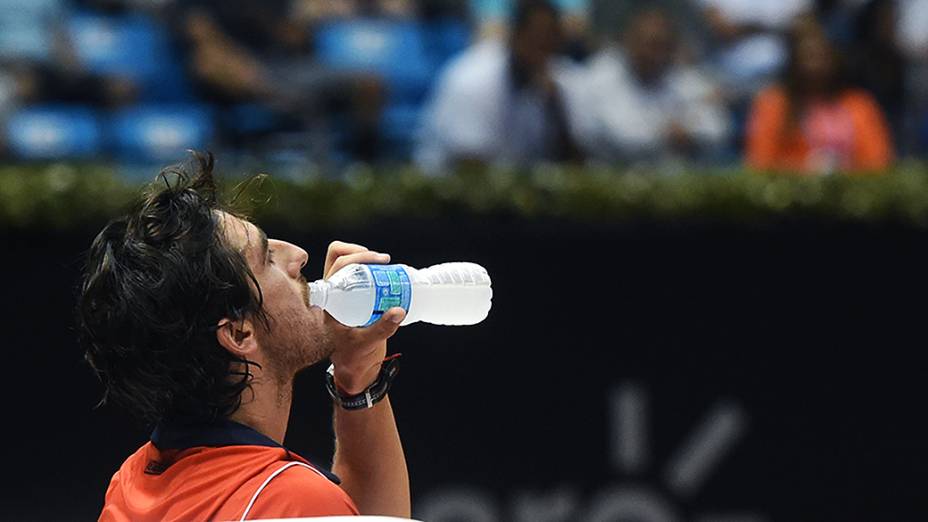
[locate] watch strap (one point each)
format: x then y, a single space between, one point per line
372 394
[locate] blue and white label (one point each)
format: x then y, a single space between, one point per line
392 288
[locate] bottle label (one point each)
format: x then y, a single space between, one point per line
392 287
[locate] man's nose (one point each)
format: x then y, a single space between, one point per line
298 259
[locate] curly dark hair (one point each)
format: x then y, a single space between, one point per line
156 283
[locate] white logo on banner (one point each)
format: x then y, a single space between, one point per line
684 474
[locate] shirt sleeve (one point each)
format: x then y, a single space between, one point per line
300 492
111 506
765 126
873 149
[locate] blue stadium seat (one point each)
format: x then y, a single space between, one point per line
26 28
159 133
53 132
446 38
393 49
30 8
484 10
399 125
249 118
133 46
24 40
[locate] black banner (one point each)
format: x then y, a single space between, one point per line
627 372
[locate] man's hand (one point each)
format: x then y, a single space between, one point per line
359 352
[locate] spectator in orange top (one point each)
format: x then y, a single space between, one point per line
813 122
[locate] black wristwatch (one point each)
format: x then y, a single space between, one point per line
370 396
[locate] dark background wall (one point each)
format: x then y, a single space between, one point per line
790 353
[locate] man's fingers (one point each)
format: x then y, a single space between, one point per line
360 257
337 249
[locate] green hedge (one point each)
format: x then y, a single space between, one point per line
68 195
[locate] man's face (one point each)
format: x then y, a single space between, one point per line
535 43
650 44
815 60
296 336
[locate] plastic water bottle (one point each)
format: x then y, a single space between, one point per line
446 294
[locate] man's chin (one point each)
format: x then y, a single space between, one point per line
321 351
319 357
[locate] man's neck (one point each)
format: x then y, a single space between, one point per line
266 408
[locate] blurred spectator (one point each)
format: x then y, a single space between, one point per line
813 122
273 70
37 51
913 32
609 17
244 52
39 65
499 103
748 38
69 84
913 23
840 19
492 17
315 10
879 63
641 105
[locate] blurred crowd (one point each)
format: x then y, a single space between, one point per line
795 85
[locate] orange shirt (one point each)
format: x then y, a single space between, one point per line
219 472
846 134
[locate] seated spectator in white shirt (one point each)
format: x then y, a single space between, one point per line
913 33
913 20
500 104
639 105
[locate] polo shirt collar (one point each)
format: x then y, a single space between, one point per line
168 436
171 436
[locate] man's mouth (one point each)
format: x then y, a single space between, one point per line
304 290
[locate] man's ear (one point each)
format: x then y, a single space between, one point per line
237 336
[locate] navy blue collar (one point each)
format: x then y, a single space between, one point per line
170 436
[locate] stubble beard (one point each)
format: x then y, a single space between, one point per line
296 340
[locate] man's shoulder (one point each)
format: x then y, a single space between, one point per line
477 67
609 69
219 482
297 489
150 471
136 462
